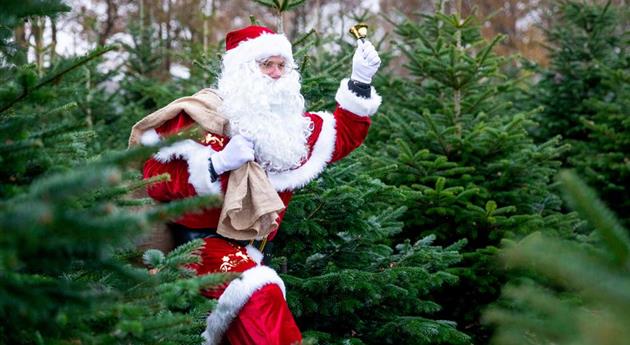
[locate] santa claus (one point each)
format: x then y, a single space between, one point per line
260 88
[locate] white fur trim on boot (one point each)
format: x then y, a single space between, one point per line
196 156
320 156
356 104
234 298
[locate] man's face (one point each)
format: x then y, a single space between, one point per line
274 67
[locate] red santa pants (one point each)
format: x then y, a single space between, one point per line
252 309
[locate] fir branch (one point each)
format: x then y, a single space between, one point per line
186 250
427 117
173 209
56 75
488 49
330 69
63 187
13 147
111 193
304 37
134 202
585 201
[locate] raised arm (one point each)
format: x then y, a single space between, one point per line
357 100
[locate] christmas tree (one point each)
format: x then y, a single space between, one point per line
585 94
462 153
587 296
69 270
347 280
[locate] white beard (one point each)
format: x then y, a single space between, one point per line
269 112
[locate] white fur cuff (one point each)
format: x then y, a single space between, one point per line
234 298
196 155
358 105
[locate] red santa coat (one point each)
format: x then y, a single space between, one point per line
333 137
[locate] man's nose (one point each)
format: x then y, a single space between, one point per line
275 72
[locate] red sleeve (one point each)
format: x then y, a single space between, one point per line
178 186
351 130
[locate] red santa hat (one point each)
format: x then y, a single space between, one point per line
255 43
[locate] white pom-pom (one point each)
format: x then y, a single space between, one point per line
150 137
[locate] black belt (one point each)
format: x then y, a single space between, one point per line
183 234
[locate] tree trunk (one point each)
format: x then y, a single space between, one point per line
318 16
168 45
37 30
298 22
88 98
208 19
22 43
53 44
110 21
141 15
280 22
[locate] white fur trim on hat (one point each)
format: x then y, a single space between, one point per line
196 155
356 104
320 156
261 47
150 137
234 298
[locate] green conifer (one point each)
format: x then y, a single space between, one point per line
69 270
587 297
347 280
585 93
463 154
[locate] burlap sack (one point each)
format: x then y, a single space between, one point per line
202 107
250 208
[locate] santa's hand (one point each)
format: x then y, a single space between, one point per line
365 62
237 152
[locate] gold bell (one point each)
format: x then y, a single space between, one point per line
359 31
